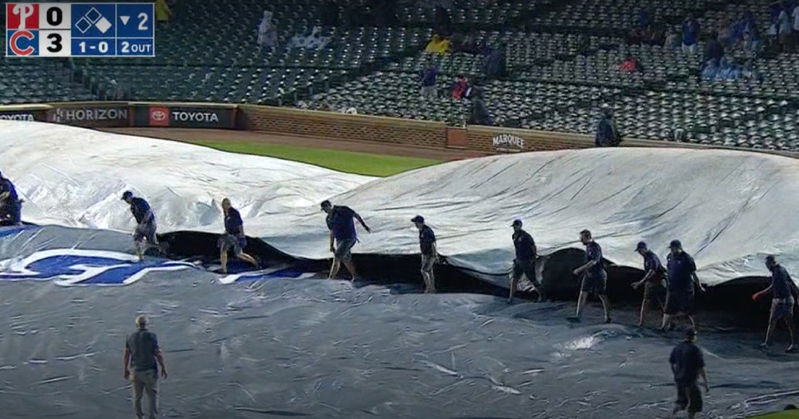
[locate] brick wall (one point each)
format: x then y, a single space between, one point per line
343 127
481 138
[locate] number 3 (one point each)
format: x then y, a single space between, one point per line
55 42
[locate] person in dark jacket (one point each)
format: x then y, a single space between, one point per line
687 365
145 223
495 65
682 283
607 135
342 236
10 204
234 237
143 355
784 297
479 112
524 263
427 246
654 281
595 277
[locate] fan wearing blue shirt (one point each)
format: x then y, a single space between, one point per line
427 246
595 278
342 236
233 238
144 236
10 204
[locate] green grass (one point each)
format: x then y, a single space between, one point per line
343 161
788 414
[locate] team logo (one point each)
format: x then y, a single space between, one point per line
159 116
84 267
22 16
22 43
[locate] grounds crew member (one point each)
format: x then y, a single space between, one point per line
233 238
524 263
784 296
342 236
427 246
143 357
145 223
10 204
688 364
654 281
595 278
682 281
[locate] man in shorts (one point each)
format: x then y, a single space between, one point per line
524 263
234 238
682 282
10 204
594 279
654 281
342 236
427 246
688 364
145 223
784 297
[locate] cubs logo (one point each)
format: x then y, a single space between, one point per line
22 43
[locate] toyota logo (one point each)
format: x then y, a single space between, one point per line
158 115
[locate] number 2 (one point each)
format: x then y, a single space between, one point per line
143 22
125 46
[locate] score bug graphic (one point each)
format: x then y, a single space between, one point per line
80 30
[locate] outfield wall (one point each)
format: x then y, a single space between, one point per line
326 125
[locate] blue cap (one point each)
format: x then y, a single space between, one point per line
675 243
770 259
640 246
516 222
127 195
417 219
325 203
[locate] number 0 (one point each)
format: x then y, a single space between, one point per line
54 16
143 22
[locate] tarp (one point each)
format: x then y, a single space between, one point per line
729 208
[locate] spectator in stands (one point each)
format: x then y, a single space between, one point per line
607 135
479 112
460 87
495 63
724 33
672 39
656 33
443 22
631 65
428 80
437 45
636 35
751 41
163 13
329 13
644 18
728 69
714 50
750 73
267 32
690 34
785 28
711 70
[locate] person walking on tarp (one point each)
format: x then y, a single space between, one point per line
342 236
143 356
233 238
145 223
784 296
682 281
10 204
524 263
687 365
594 279
654 281
427 245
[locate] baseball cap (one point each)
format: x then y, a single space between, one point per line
770 259
675 243
127 195
417 219
325 203
690 333
640 246
516 222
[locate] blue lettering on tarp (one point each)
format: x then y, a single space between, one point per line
7 231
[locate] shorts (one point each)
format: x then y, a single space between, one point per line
428 263
689 397
229 241
782 309
594 284
145 231
679 302
526 268
344 249
655 292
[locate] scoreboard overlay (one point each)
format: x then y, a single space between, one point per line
80 30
